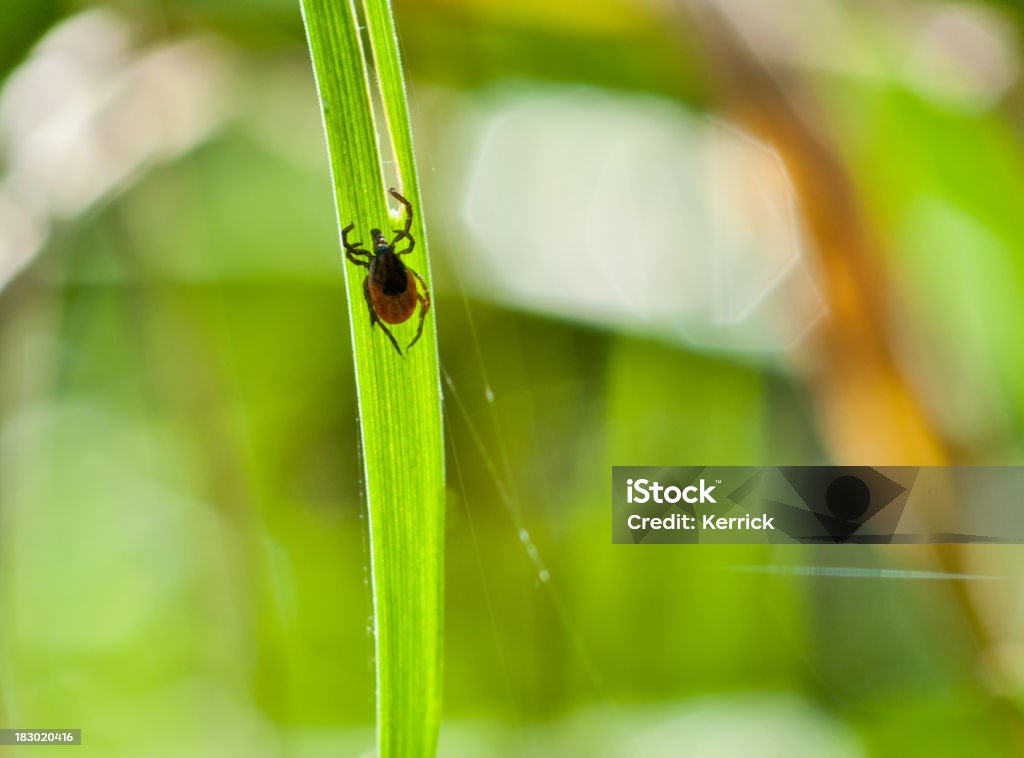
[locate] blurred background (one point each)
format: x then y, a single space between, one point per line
663 232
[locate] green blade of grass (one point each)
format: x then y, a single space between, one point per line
399 398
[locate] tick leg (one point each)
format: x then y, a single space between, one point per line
408 216
344 238
352 249
351 255
412 244
374 319
424 298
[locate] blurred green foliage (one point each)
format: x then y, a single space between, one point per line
183 547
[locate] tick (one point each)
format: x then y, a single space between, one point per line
390 286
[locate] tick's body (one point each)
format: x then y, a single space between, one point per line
390 286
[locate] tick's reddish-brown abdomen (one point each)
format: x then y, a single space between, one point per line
394 309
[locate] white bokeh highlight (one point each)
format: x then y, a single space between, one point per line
88 111
632 213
